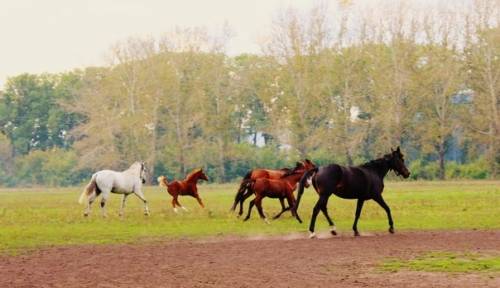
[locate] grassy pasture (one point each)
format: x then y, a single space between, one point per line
31 218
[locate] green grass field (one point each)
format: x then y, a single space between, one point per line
31 218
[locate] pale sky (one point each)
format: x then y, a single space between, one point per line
53 36
59 35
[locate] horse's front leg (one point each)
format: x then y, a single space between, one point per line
384 205
199 200
122 206
283 208
139 194
323 198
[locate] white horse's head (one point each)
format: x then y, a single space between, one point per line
140 169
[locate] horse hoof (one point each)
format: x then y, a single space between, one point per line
175 210
85 214
356 234
146 213
246 219
391 230
267 221
312 235
333 231
185 209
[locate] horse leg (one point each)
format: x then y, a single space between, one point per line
89 202
359 206
258 204
250 206
104 198
333 229
244 197
123 204
175 203
291 204
384 205
199 201
283 209
139 194
323 198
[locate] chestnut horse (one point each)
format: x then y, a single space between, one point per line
184 187
275 188
363 183
244 192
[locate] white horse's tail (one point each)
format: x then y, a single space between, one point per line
89 189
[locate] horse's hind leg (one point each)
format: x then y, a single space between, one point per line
122 206
384 205
89 203
359 207
244 197
104 199
250 206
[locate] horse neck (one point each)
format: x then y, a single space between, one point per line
135 169
192 178
164 181
379 166
292 179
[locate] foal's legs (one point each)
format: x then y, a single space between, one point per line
123 204
139 194
382 203
359 206
250 206
258 203
283 209
199 200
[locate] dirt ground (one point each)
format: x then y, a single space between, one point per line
286 261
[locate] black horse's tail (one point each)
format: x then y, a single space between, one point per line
302 183
241 191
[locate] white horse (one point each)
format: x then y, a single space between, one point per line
106 181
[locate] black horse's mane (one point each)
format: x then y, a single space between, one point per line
377 162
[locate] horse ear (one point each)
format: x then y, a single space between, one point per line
392 150
399 150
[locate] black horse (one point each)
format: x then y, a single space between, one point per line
363 182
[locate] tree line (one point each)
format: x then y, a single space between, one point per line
336 84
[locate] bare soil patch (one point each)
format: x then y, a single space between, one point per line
284 261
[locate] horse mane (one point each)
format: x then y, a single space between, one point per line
376 163
193 173
285 169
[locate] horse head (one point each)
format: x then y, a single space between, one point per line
143 173
397 163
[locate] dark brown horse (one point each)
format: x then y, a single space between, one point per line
280 188
244 192
363 183
184 187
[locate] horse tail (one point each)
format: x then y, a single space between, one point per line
89 189
242 189
302 183
162 181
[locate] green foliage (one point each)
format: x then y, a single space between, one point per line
446 262
54 167
51 216
421 169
